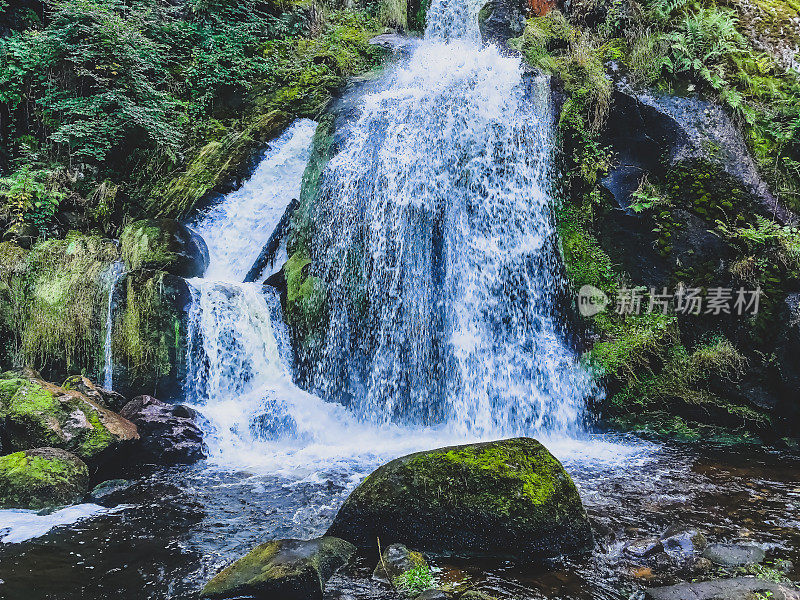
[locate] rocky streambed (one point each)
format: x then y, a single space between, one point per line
168 533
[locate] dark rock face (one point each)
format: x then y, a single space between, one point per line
501 20
164 245
734 555
41 478
738 588
505 498
285 569
696 149
169 434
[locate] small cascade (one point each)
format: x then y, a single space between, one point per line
237 228
112 277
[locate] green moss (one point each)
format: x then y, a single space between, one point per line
302 220
305 310
491 493
38 417
41 478
61 298
214 164
148 335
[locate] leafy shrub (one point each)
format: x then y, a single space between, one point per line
415 581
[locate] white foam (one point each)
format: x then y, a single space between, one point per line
20 525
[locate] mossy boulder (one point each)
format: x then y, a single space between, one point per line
35 414
509 498
285 569
149 334
164 245
41 478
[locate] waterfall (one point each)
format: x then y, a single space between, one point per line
237 228
438 211
111 278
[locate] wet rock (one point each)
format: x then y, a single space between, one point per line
476 595
739 588
684 544
169 434
35 414
501 20
435 595
643 547
41 478
396 560
107 398
285 569
504 498
105 493
701 565
164 245
734 555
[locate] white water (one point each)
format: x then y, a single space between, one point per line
113 275
438 212
455 147
237 229
20 525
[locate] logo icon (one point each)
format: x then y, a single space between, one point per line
591 301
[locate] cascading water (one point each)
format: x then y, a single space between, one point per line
438 246
112 276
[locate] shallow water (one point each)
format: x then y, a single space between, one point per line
183 524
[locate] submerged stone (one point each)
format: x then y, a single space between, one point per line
734 555
504 498
738 588
285 569
41 478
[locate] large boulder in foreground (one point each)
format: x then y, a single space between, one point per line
36 414
164 245
505 498
169 432
285 569
41 478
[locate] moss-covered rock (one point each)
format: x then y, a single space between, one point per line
285 569
34 414
164 245
510 497
216 166
149 334
305 301
42 478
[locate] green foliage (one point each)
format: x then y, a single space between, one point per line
646 196
126 94
31 197
415 581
